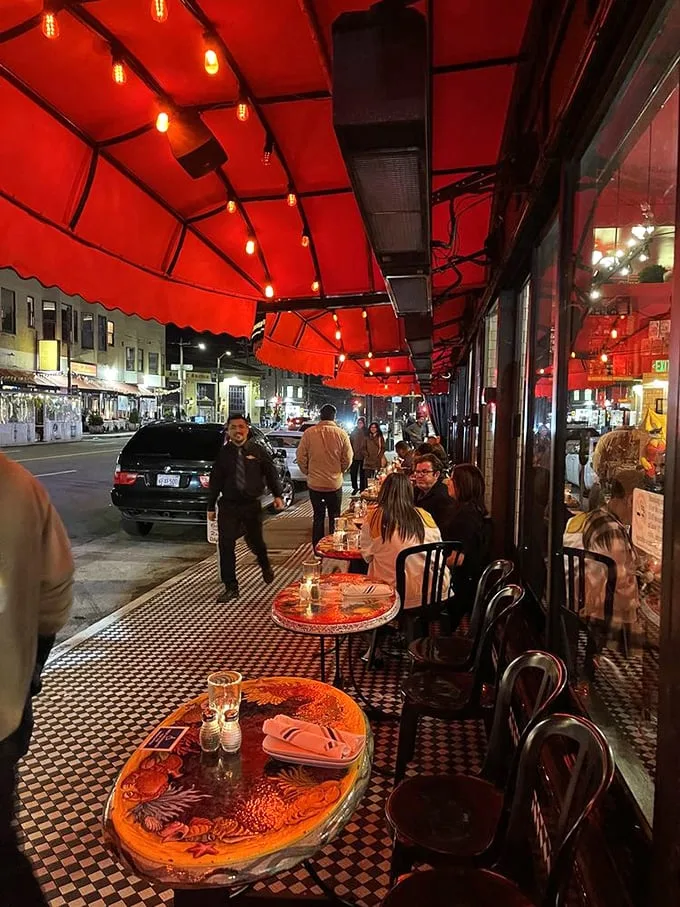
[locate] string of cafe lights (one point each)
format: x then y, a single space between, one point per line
49 24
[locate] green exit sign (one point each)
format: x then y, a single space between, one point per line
660 365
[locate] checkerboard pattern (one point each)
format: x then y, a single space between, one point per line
104 692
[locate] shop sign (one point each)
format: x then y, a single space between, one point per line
49 356
396 399
660 365
647 527
84 369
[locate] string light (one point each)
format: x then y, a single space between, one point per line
242 109
335 317
614 333
269 291
385 387
268 151
292 199
159 10
370 373
370 355
595 294
250 246
643 257
342 357
366 363
338 335
364 313
315 286
163 121
118 73
388 369
49 24
211 60
231 206
305 240
604 357
573 355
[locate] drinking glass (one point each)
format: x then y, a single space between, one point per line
224 693
311 569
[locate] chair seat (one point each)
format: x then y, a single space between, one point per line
440 695
450 815
441 651
456 888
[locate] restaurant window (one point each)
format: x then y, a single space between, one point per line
30 311
520 419
537 472
49 320
140 360
8 311
300 391
129 359
488 407
66 323
153 363
110 334
237 398
101 333
617 389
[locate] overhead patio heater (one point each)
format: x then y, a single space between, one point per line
380 115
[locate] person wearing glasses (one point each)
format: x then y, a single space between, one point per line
394 524
431 493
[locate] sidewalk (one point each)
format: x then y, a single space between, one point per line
106 687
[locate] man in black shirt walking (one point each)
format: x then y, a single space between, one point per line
239 475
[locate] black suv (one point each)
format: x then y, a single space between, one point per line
163 471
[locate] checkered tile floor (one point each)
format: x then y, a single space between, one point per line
103 693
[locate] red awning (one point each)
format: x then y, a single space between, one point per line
93 201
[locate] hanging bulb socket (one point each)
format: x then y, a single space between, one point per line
159 10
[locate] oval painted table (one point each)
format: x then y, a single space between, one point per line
326 548
191 820
335 616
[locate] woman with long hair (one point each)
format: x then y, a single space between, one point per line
468 522
394 524
374 458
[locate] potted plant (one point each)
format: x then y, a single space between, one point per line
652 274
95 424
133 420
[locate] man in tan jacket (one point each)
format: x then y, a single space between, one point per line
36 580
323 455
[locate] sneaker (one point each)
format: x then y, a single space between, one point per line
268 574
229 594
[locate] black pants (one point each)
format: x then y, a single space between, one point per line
18 886
322 501
356 474
236 518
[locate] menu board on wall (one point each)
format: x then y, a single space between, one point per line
647 528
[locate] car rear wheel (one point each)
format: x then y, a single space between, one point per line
137 527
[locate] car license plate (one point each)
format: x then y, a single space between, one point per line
168 481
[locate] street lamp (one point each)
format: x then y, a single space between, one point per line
181 344
217 390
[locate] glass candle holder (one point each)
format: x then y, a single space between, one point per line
306 590
311 569
224 693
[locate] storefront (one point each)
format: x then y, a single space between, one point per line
579 446
34 408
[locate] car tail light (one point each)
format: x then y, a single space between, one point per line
204 480
120 477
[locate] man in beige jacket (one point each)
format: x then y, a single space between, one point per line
323 455
36 580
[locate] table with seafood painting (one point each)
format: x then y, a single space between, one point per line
192 820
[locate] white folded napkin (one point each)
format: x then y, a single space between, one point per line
313 738
365 590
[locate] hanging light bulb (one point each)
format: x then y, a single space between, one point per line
371 374
595 294
613 333
631 243
231 206
388 369
573 355
338 335
242 108
211 60
643 257
639 231
163 121
315 286
619 253
49 24
625 271
159 10
291 199
366 363
597 256
250 246
370 355
342 357
268 151
305 240
269 291
364 313
604 357
118 73
335 317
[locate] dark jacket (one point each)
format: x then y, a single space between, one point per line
414 433
467 524
358 441
260 469
439 504
375 452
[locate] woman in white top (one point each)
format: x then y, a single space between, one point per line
394 524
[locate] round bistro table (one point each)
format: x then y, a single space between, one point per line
196 821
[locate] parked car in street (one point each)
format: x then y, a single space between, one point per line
163 472
287 442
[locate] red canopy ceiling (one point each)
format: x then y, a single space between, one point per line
92 199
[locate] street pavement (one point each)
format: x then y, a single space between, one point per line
112 568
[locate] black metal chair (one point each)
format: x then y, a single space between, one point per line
573 620
449 695
457 652
444 819
565 767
